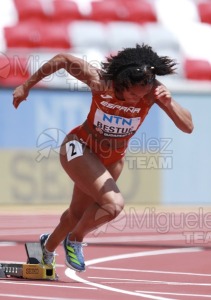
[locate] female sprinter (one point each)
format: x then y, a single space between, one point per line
123 91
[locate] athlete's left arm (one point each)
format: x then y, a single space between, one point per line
179 115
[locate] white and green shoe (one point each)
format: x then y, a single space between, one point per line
74 255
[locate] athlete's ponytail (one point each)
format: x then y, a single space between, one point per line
136 65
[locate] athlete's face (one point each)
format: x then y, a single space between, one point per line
136 92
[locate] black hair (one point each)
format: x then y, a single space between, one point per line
136 65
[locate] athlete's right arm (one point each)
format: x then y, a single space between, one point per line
75 66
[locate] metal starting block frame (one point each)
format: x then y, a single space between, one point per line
33 269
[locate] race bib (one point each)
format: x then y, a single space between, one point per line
115 126
73 149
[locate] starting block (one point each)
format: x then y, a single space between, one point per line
33 269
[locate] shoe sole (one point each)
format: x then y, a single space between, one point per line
71 267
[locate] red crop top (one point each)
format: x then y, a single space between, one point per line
113 118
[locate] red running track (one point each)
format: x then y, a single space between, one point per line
135 256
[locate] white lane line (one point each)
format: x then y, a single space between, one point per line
7 244
72 274
149 271
151 281
36 297
6 281
176 294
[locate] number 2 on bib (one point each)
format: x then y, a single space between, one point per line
73 149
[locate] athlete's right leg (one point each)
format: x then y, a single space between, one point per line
96 213
93 178
79 204
99 197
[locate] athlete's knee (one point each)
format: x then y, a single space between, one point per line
68 216
113 207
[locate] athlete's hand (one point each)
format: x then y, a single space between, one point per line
20 94
163 95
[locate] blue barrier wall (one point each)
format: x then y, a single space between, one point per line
189 180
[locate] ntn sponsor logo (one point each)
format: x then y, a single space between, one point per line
117 119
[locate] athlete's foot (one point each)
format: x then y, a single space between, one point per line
74 254
48 257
